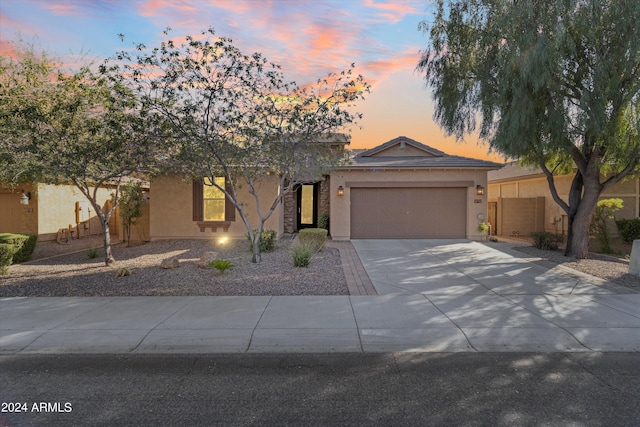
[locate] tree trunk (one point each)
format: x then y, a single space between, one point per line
580 218
257 256
108 256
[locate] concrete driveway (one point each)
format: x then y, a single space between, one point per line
497 298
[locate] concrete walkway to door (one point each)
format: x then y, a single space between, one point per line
494 297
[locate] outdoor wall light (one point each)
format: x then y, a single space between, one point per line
479 190
341 191
24 199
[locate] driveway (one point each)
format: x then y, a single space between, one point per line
496 297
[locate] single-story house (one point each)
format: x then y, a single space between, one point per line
520 201
58 212
400 189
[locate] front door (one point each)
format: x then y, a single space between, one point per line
307 206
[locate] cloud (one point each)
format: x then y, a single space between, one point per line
393 11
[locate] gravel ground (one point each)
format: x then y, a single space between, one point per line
605 267
76 274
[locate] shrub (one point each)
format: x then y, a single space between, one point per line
547 241
323 221
92 253
221 265
314 237
301 254
6 257
23 245
605 210
267 241
629 229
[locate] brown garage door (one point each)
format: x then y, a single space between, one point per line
408 213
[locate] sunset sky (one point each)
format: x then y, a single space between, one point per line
308 38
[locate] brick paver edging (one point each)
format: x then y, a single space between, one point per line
358 280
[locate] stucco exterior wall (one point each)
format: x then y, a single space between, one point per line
555 219
171 215
340 205
17 218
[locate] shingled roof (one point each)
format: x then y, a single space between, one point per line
423 157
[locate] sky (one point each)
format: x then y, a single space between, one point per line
308 38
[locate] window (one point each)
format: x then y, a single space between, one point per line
213 200
210 204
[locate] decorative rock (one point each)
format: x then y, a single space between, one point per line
170 263
634 260
206 258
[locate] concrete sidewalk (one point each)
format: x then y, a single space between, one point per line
434 296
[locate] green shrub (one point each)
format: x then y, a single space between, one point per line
301 254
267 241
6 257
629 229
605 210
23 245
92 253
547 241
323 221
314 237
221 265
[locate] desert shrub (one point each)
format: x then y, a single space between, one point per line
221 265
301 254
6 257
92 253
546 241
605 210
314 237
23 245
629 229
323 221
267 241
131 202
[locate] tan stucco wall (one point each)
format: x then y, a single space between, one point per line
171 215
554 217
341 210
51 208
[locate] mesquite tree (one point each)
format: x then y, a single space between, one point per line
232 115
70 127
553 83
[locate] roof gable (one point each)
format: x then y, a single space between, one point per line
402 147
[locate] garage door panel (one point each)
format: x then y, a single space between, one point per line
408 213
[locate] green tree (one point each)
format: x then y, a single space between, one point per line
232 115
131 207
552 83
70 127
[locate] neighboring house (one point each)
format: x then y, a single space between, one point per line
400 189
57 212
520 201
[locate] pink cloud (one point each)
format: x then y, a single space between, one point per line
155 7
393 11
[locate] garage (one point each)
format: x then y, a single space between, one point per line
408 213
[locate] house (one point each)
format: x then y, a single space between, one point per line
400 189
520 201
57 212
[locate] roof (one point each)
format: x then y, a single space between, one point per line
421 156
512 171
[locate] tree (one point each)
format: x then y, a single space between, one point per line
77 127
553 83
131 207
232 115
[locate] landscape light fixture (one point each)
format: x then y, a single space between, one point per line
479 190
341 191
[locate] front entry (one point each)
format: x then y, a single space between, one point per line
307 206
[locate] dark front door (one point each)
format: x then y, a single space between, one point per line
307 206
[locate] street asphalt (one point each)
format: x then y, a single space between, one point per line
433 296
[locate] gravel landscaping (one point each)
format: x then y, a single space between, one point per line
76 274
